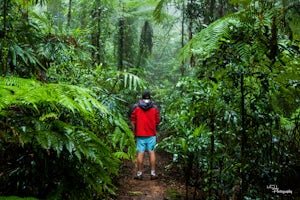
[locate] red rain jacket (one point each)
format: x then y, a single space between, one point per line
145 118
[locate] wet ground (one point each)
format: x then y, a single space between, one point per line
168 186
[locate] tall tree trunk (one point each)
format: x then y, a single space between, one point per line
190 28
99 41
212 149
96 35
221 8
69 14
188 172
4 50
273 41
121 27
244 138
182 69
212 6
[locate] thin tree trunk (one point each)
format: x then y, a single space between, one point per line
99 41
212 149
182 70
69 14
244 138
188 173
273 41
4 50
96 35
192 59
212 6
121 43
221 8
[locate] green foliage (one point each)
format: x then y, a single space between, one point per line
235 125
16 54
59 129
158 13
29 92
250 105
251 30
16 198
192 118
173 194
208 39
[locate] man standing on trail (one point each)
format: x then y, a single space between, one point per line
144 119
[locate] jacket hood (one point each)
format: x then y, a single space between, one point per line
144 105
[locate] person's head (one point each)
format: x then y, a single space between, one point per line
146 96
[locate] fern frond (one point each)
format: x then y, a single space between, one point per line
89 150
243 50
250 22
28 92
158 13
121 155
64 119
123 139
209 39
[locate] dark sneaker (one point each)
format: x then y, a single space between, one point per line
154 177
138 177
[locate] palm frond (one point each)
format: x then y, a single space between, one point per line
132 81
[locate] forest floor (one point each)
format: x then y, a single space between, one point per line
168 186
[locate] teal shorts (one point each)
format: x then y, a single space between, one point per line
145 143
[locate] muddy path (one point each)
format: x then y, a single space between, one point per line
167 187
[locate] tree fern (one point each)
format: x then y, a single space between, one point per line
62 122
255 21
209 39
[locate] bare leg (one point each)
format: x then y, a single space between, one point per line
152 159
139 161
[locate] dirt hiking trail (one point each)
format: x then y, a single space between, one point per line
168 186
